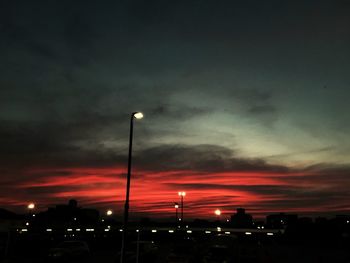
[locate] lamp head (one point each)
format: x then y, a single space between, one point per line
137 115
109 212
31 206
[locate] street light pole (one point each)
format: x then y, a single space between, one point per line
217 213
137 115
176 214
182 194
30 207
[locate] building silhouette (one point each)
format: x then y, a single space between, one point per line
241 219
67 215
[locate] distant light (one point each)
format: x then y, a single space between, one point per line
107 229
347 221
78 229
262 227
171 231
75 219
31 206
176 206
109 212
137 230
218 229
207 232
248 233
69 229
269 234
227 233
217 212
179 219
120 230
102 220
138 115
189 231
24 230
154 230
49 230
90 230
33 215
182 193
27 224
259 227
186 226
227 220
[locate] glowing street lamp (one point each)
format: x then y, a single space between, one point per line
217 212
138 116
182 194
30 208
109 212
176 208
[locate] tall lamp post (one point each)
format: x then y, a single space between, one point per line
176 214
217 212
30 207
134 115
182 194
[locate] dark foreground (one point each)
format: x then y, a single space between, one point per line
179 246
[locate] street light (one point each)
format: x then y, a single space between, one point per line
134 115
182 194
217 212
176 208
30 207
109 212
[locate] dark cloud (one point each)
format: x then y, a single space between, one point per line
57 144
181 112
205 158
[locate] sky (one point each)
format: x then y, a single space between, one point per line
246 104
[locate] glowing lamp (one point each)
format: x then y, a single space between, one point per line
138 115
109 212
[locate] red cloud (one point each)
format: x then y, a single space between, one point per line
154 193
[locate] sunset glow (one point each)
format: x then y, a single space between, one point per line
153 192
